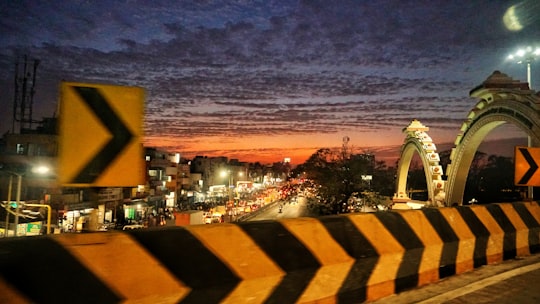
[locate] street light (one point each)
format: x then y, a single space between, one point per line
223 174
38 170
17 201
228 173
8 201
527 55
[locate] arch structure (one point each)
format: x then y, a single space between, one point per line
418 141
501 100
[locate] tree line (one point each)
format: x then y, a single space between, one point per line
343 179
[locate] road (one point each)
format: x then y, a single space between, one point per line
510 282
289 210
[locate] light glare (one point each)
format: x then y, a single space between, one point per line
41 169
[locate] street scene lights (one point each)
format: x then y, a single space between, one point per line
526 55
228 205
42 170
227 173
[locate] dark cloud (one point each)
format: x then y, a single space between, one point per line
240 69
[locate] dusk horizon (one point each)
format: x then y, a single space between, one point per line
388 154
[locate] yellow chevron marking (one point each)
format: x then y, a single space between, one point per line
335 262
381 281
494 251
522 231
260 274
8 294
428 270
534 209
467 240
125 267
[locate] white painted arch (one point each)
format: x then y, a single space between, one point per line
496 107
501 100
419 142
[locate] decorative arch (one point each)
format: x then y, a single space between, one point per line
418 141
501 100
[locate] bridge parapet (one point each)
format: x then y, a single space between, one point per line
348 258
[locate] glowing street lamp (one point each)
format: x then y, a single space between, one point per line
526 55
39 170
224 174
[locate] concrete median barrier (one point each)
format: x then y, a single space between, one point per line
346 259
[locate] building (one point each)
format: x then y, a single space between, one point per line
21 153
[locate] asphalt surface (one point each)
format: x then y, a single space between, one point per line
288 210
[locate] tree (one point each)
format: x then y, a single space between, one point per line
492 180
416 176
338 176
384 179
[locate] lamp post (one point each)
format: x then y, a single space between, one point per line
7 206
228 173
39 170
527 55
18 202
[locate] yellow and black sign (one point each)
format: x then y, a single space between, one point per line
526 168
100 135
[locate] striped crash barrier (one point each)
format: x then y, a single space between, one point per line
346 259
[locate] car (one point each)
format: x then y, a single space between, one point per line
132 227
212 220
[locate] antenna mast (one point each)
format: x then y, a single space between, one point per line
23 97
345 147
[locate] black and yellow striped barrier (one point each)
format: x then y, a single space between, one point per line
344 259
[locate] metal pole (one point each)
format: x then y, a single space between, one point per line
19 181
230 188
529 74
230 196
49 211
8 206
530 189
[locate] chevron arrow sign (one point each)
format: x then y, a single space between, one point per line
100 135
527 161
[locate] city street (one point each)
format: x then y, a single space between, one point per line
289 210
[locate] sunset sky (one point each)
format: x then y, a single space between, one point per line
265 80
